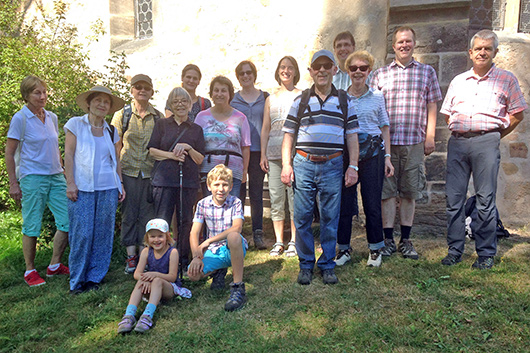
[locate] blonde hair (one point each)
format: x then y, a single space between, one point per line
220 171
169 239
28 85
360 55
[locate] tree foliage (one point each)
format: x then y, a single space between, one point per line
48 47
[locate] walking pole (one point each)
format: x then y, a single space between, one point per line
179 225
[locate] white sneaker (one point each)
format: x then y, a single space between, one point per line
343 257
374 258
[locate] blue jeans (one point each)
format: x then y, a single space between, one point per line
255 190
310 179
371 175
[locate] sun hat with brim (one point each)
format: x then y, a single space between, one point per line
117 103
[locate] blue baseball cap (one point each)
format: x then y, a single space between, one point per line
323 52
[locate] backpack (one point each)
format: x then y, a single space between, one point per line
304 104
127 114
472 216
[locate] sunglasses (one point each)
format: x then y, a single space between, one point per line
316 66
243 73
354 68
141 87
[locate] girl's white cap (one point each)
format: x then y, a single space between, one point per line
157 223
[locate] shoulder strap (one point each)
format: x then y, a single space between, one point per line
343 103
111 130
158 115
304 103
126 117
23 130
203 103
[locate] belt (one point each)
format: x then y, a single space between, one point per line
318 158
470 134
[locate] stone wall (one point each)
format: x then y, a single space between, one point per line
217 35
443 29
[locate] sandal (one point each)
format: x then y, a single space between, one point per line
291 250
277 249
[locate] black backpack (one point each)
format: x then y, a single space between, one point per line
472 216
126 117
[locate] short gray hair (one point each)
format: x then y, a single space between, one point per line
177 92
485 34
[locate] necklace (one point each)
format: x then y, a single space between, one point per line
97 127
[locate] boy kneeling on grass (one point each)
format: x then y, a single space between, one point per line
224 246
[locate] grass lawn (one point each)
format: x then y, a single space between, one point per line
404 306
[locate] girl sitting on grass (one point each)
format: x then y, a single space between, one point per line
159 282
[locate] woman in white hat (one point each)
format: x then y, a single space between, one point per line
93 187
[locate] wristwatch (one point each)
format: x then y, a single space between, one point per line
354 167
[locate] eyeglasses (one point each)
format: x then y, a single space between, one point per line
316 66
243 73
354 68
181 102
141 87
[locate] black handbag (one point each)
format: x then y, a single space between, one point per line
369 146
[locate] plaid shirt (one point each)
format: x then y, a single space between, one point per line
407 91
219 218
134 155
482 103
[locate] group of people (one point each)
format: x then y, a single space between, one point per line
352 126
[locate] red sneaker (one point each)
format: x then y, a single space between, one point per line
130 264
34 280
61 270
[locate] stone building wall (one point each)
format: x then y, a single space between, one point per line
217 35
444 28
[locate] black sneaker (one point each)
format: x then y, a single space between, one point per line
329 277
451 259
238 297
484 262
406 249
258 240
305 276
389 248
218 279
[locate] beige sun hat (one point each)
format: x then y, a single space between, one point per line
117 103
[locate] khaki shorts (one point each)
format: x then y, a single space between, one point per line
409 173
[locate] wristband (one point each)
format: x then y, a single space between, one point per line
354 167
387 155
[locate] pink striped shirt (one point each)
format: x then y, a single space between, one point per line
407 91
482 103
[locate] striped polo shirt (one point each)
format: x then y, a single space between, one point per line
321 126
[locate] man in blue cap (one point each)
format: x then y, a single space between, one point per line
316 127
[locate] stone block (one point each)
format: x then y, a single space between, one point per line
452 65
437 187
122 26
430 59
518 150
509 168
436 37
121 7
435 167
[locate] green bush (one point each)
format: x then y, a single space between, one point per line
49 48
